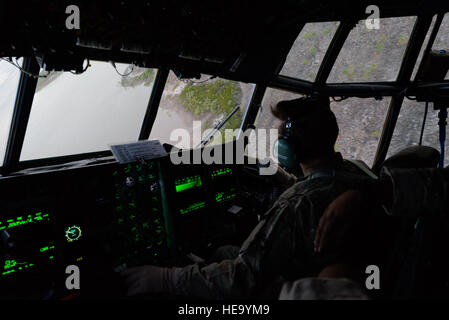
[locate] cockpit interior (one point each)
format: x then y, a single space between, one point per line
77 77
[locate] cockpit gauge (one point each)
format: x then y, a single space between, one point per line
73 233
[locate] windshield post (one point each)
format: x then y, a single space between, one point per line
21 114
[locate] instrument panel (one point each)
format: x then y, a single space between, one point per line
107 217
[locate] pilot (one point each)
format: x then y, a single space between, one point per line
402 192
281 247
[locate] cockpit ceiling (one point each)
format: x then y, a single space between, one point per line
234 39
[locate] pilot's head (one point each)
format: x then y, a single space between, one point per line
308 130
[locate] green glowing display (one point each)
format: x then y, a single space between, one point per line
46 248
220 172
11 265
23 220
188 183
225 195
193 207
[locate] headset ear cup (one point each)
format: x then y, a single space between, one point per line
286 153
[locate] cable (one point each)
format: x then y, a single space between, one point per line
423 123
37 76
197 82
339 100
120 74
404 93
84 70
16 64
442 116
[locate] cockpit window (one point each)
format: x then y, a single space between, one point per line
442 39
74 114
306 54
408 128
265 119
200 104
373 54
423 48
360 122
9 81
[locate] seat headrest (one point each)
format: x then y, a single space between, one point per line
413 158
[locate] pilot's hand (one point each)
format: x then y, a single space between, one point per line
338 219
147 279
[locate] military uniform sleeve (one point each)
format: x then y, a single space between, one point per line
418 192
269 248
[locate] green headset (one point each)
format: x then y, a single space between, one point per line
287 150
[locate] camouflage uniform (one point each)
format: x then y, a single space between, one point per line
419 191
280 245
